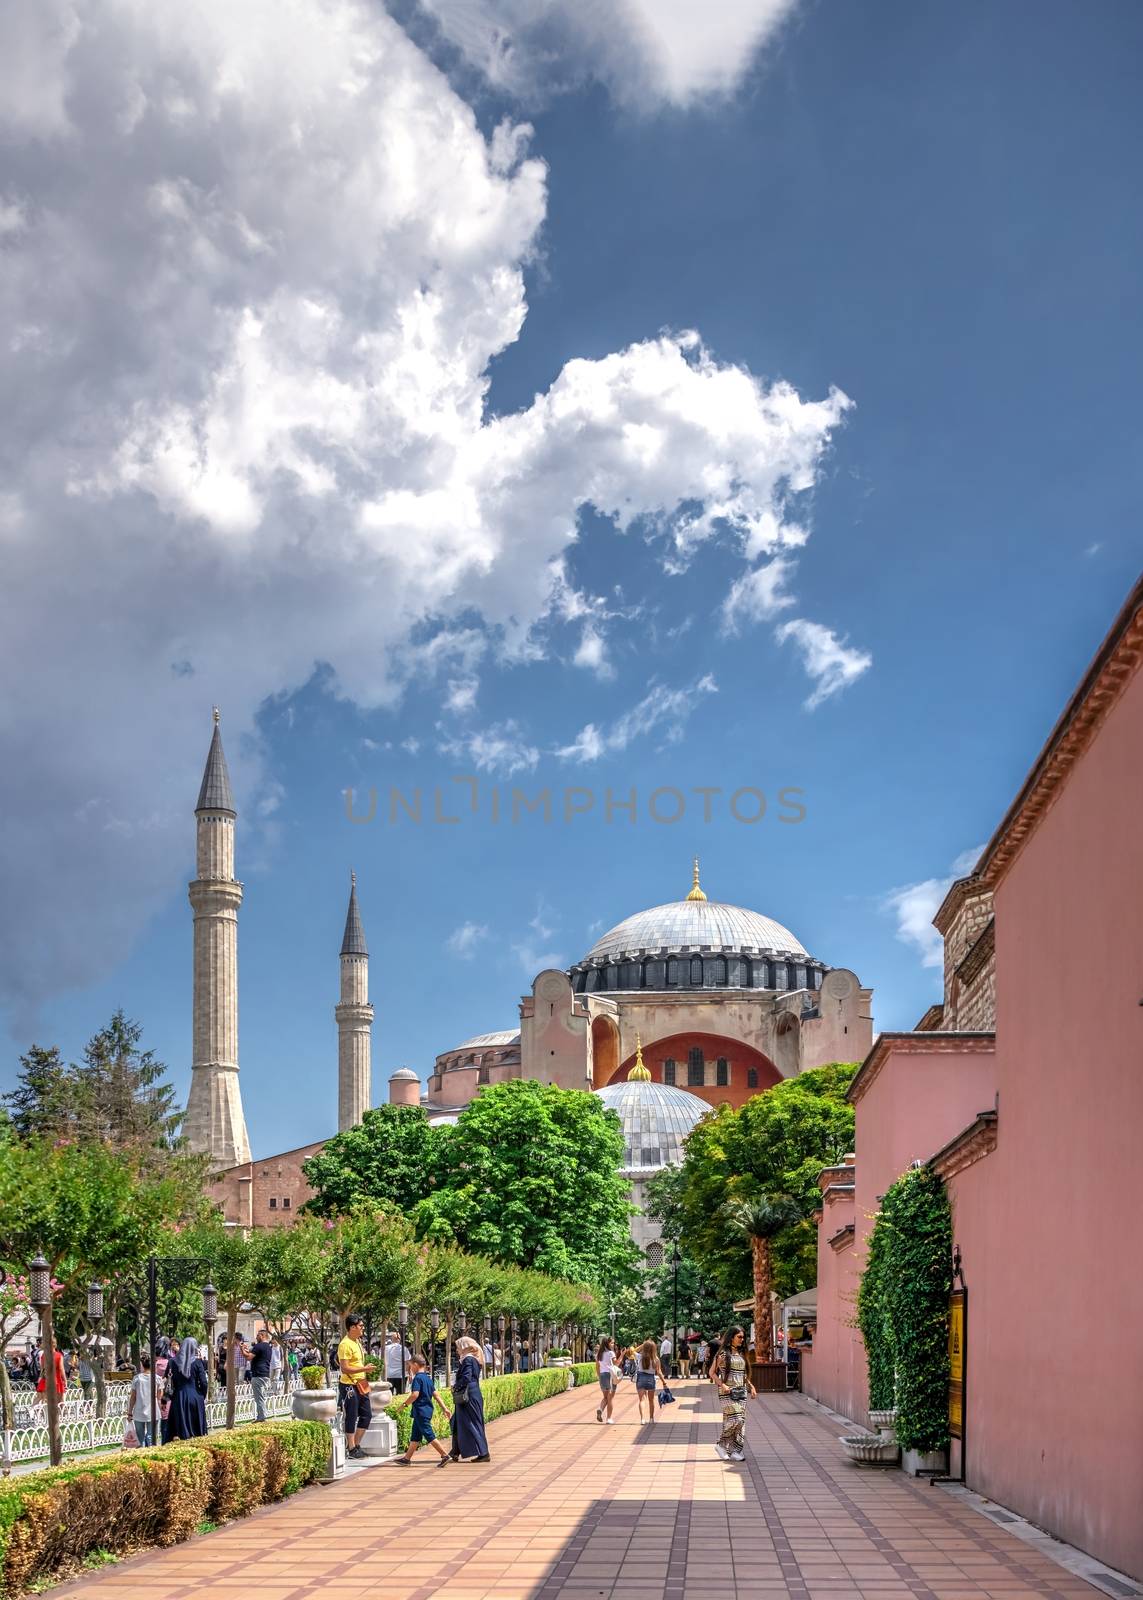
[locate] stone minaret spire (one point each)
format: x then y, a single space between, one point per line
354 1021
215 1125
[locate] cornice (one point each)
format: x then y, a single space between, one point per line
843 1237
973 962
969 1146
944 1043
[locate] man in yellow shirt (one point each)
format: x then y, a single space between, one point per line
358 1412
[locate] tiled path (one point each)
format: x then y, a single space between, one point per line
574 1510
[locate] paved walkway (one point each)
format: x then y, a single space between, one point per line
573 1510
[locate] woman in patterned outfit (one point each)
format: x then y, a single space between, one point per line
733 1386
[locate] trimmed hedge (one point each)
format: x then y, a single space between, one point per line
513 1392
122 1502
584 1372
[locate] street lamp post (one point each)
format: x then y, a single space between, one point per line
40 1294
94 1318
434 1325
402 1324
675 1309
613 1314
514 1330
500 1340
210 1317
487 1331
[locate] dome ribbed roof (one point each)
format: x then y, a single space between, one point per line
656 1120
506 1036
697 924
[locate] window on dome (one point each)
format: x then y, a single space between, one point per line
799 976
656 972
696 1075
714 973
722 1072
655 1254
779 974
752 1077
673 971
649 1156
696 971
669 1072
482 1075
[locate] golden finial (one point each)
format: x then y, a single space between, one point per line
696 890
217 716
639 1073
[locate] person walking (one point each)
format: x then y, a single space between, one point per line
469 1440
629 1362
397 1358
188 1399
86 1377
139 1409
260 1355
649 1369
353 1387
606 1374
729 1372
684 1358
60 1375
422 1397
666 1351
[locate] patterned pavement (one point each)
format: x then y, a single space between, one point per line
570 1509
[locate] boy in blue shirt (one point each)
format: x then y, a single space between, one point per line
422 1397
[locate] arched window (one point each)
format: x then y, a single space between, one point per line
752 1077
722 1072
654 1254
673 975
669 1072
696 1075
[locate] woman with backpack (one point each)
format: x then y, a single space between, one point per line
729 1373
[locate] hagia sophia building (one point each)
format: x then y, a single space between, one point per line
689 1005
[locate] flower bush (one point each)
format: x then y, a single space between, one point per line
51 1520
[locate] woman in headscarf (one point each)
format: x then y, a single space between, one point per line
189 1382
469 1441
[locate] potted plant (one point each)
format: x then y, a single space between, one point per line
558 1358
314 1401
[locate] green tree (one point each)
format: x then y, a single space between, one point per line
43 1101
391 1157
530 1175
775 1144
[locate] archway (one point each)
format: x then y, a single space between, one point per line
716 1069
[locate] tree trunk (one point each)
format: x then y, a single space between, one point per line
763 1316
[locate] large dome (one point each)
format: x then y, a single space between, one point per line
698 925
656 1120
697 943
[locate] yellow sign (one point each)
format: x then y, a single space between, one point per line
956 1363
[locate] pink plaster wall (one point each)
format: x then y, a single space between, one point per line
1048 1223
917 1102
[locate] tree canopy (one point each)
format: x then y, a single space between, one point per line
391 1156
775 1144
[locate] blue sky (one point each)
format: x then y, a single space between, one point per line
931 210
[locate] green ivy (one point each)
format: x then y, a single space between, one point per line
903 1308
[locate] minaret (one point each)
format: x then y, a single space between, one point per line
214 1123
354 1021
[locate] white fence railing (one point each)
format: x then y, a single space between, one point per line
79 1434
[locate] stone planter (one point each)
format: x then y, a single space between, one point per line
314 1405
558 1361
916 1462
380 1438
884 1421
868 1447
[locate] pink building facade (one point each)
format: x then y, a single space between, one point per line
1025 1092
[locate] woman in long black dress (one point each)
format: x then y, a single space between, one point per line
189 1383
469 1441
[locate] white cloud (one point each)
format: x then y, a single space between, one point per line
261 261
463 941
916 904
592 653
661 710
758 595
830 662
461 694
647 52
500 748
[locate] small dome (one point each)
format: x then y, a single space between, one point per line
655 1119
404 1072
488 1040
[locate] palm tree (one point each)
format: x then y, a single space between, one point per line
758 1219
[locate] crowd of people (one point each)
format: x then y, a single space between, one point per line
648 1368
